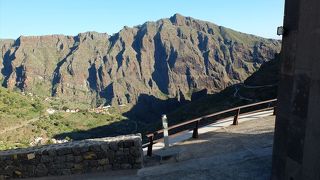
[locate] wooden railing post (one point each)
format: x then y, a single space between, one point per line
195 130
236 116
149 152
275 107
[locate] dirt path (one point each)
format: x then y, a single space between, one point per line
19 126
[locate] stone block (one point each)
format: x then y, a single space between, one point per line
93 163
89 156
101 155
103 161
41 170
78 166
121 159
45 152
78 159
60 159
131 160
126 166
134 151
137 142
52 152
138 160
70 158
107 167
52 171
93 169
85 163
76 171
46 159
116 166
84 149
31 169
66 171
121 144
69 165
105 147
31 156
57 165
99 168
76 150
95 148
126 151
110 153
119 153
137 166
114 146
64 151
128 143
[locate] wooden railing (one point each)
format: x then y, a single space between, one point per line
194 124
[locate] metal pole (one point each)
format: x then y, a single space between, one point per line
165 131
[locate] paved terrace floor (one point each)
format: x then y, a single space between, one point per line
221 152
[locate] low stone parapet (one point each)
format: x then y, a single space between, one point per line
92 155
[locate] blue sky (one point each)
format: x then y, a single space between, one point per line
70 17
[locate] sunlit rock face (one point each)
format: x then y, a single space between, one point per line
170 58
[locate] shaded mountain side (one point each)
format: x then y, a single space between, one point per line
145 116
169 58
5 45
261 85
268 74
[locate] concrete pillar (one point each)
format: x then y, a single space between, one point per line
296 151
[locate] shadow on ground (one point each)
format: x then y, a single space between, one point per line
239 152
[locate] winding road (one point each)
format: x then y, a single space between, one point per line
237 86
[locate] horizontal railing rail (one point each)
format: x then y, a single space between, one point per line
196 123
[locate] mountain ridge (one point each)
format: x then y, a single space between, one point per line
169 58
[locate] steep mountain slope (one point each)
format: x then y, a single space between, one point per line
145 116
170 58
261 85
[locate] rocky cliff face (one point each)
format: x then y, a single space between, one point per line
170 58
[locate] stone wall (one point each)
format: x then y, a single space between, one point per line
92 155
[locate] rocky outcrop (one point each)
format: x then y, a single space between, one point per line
170 58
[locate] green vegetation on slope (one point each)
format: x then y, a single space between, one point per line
48 127
16 108
23 119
